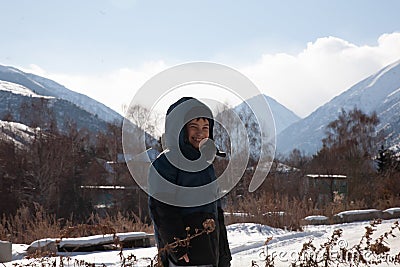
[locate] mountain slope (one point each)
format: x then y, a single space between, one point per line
35 101
379 92
282 117
45 87
22 105
18 133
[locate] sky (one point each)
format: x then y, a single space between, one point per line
301 53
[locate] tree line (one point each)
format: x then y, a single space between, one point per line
352 148
65 172
53 168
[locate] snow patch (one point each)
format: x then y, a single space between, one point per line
18 133
87 240
381 73
316 218
394 92
19 89
392 210
355 212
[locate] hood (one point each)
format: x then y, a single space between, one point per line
180 113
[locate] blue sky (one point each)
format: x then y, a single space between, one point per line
107 49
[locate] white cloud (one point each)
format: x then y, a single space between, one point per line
324 69
302 82
114 89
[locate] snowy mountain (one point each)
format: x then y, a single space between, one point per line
34 101
379 92
282 117
48 88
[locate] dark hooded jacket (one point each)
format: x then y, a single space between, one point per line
170 221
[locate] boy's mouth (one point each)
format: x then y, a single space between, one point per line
198 141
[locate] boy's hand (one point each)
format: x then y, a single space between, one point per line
208 149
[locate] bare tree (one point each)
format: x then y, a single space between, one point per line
355 131
143 118
350 144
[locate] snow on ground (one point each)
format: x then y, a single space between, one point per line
286 246
353 212
247 244
392 210
87 241
316 218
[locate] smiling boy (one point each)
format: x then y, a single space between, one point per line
189 124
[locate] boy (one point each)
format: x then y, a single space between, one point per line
188 125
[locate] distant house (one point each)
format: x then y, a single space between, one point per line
102 183
326 188
113 187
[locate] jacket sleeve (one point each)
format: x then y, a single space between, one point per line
167 218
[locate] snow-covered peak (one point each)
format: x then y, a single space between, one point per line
377 93
92 106
283 117
46 87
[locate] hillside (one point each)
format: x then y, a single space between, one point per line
379 92
35 101
282 118
16 85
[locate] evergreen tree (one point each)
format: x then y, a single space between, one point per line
383 159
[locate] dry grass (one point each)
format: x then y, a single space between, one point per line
278 211
122 223
287 212
46 258
28 225
334 252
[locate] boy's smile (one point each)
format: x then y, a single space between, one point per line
197 130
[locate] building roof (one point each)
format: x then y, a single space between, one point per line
327 176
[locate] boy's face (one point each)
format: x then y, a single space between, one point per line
197 130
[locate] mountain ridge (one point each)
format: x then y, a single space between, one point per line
283 117
373 93
46 87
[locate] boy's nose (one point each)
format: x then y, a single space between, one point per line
199 132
